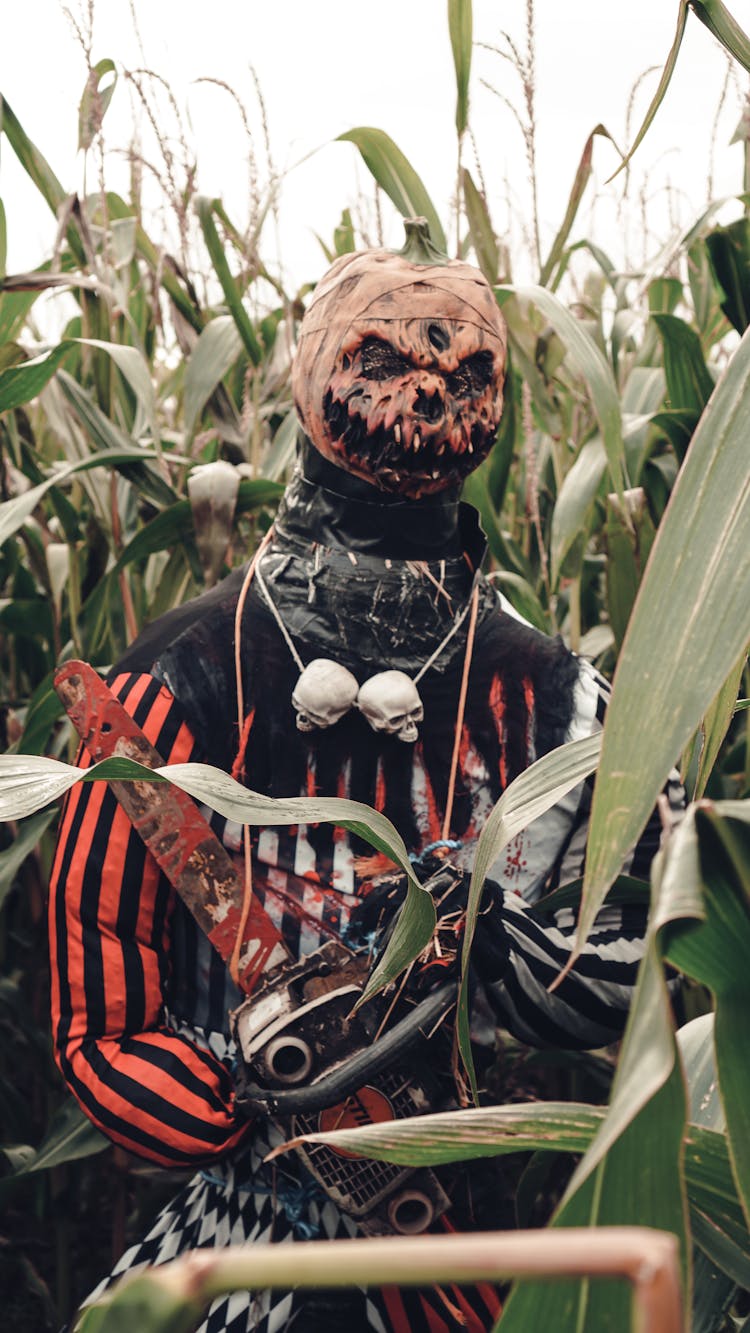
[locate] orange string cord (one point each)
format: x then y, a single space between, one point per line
234 962
238 767
461 710
452 1309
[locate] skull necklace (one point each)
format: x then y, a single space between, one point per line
326 690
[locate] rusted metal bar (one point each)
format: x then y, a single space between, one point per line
172 827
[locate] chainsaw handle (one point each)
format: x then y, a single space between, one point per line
351 1074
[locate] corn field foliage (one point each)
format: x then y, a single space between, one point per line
142 454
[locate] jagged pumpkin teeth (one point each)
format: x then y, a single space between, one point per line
372 394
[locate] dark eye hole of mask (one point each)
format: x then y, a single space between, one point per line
471 376
380 361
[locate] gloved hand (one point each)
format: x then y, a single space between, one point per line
373 921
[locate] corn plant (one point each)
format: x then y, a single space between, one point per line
141 455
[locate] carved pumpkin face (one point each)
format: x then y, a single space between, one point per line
399 370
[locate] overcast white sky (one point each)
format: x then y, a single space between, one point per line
327 66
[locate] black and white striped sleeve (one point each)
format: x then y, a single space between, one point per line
518 952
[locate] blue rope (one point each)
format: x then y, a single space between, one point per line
452 844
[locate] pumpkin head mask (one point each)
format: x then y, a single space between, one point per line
399 368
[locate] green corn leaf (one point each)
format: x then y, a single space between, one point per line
109 436
722 1245
32 161
175 524
720 22
29 782
522 598
133 365
696 1043
14 513
70 1136
43 710
715 726
692 612
723 1251
664 295
23 844
94 102
568 1127
281 454
582 177
460 29
527 797
573 512
464 1136
714 846
215 352
689 381
3 240
629 537
522 344
678 428
459 1136
170 530
590 363
19 384
660 93
624 1190
205 209
395 175
619 1179
118 209
481 230
729 253
14 308
152 1302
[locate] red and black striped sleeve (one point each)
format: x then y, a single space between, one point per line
146 1087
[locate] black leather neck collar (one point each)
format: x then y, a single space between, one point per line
326 505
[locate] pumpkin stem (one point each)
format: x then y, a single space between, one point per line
420 247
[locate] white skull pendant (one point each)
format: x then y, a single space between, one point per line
390 701
323 694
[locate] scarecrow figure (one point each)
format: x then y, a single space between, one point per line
371 660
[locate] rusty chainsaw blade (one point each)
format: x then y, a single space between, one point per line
178 836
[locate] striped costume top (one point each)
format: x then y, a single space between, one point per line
137 992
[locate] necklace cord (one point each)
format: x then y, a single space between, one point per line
461 710
234 962
458 622
277 617
271 604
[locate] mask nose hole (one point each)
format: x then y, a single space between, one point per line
429 406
